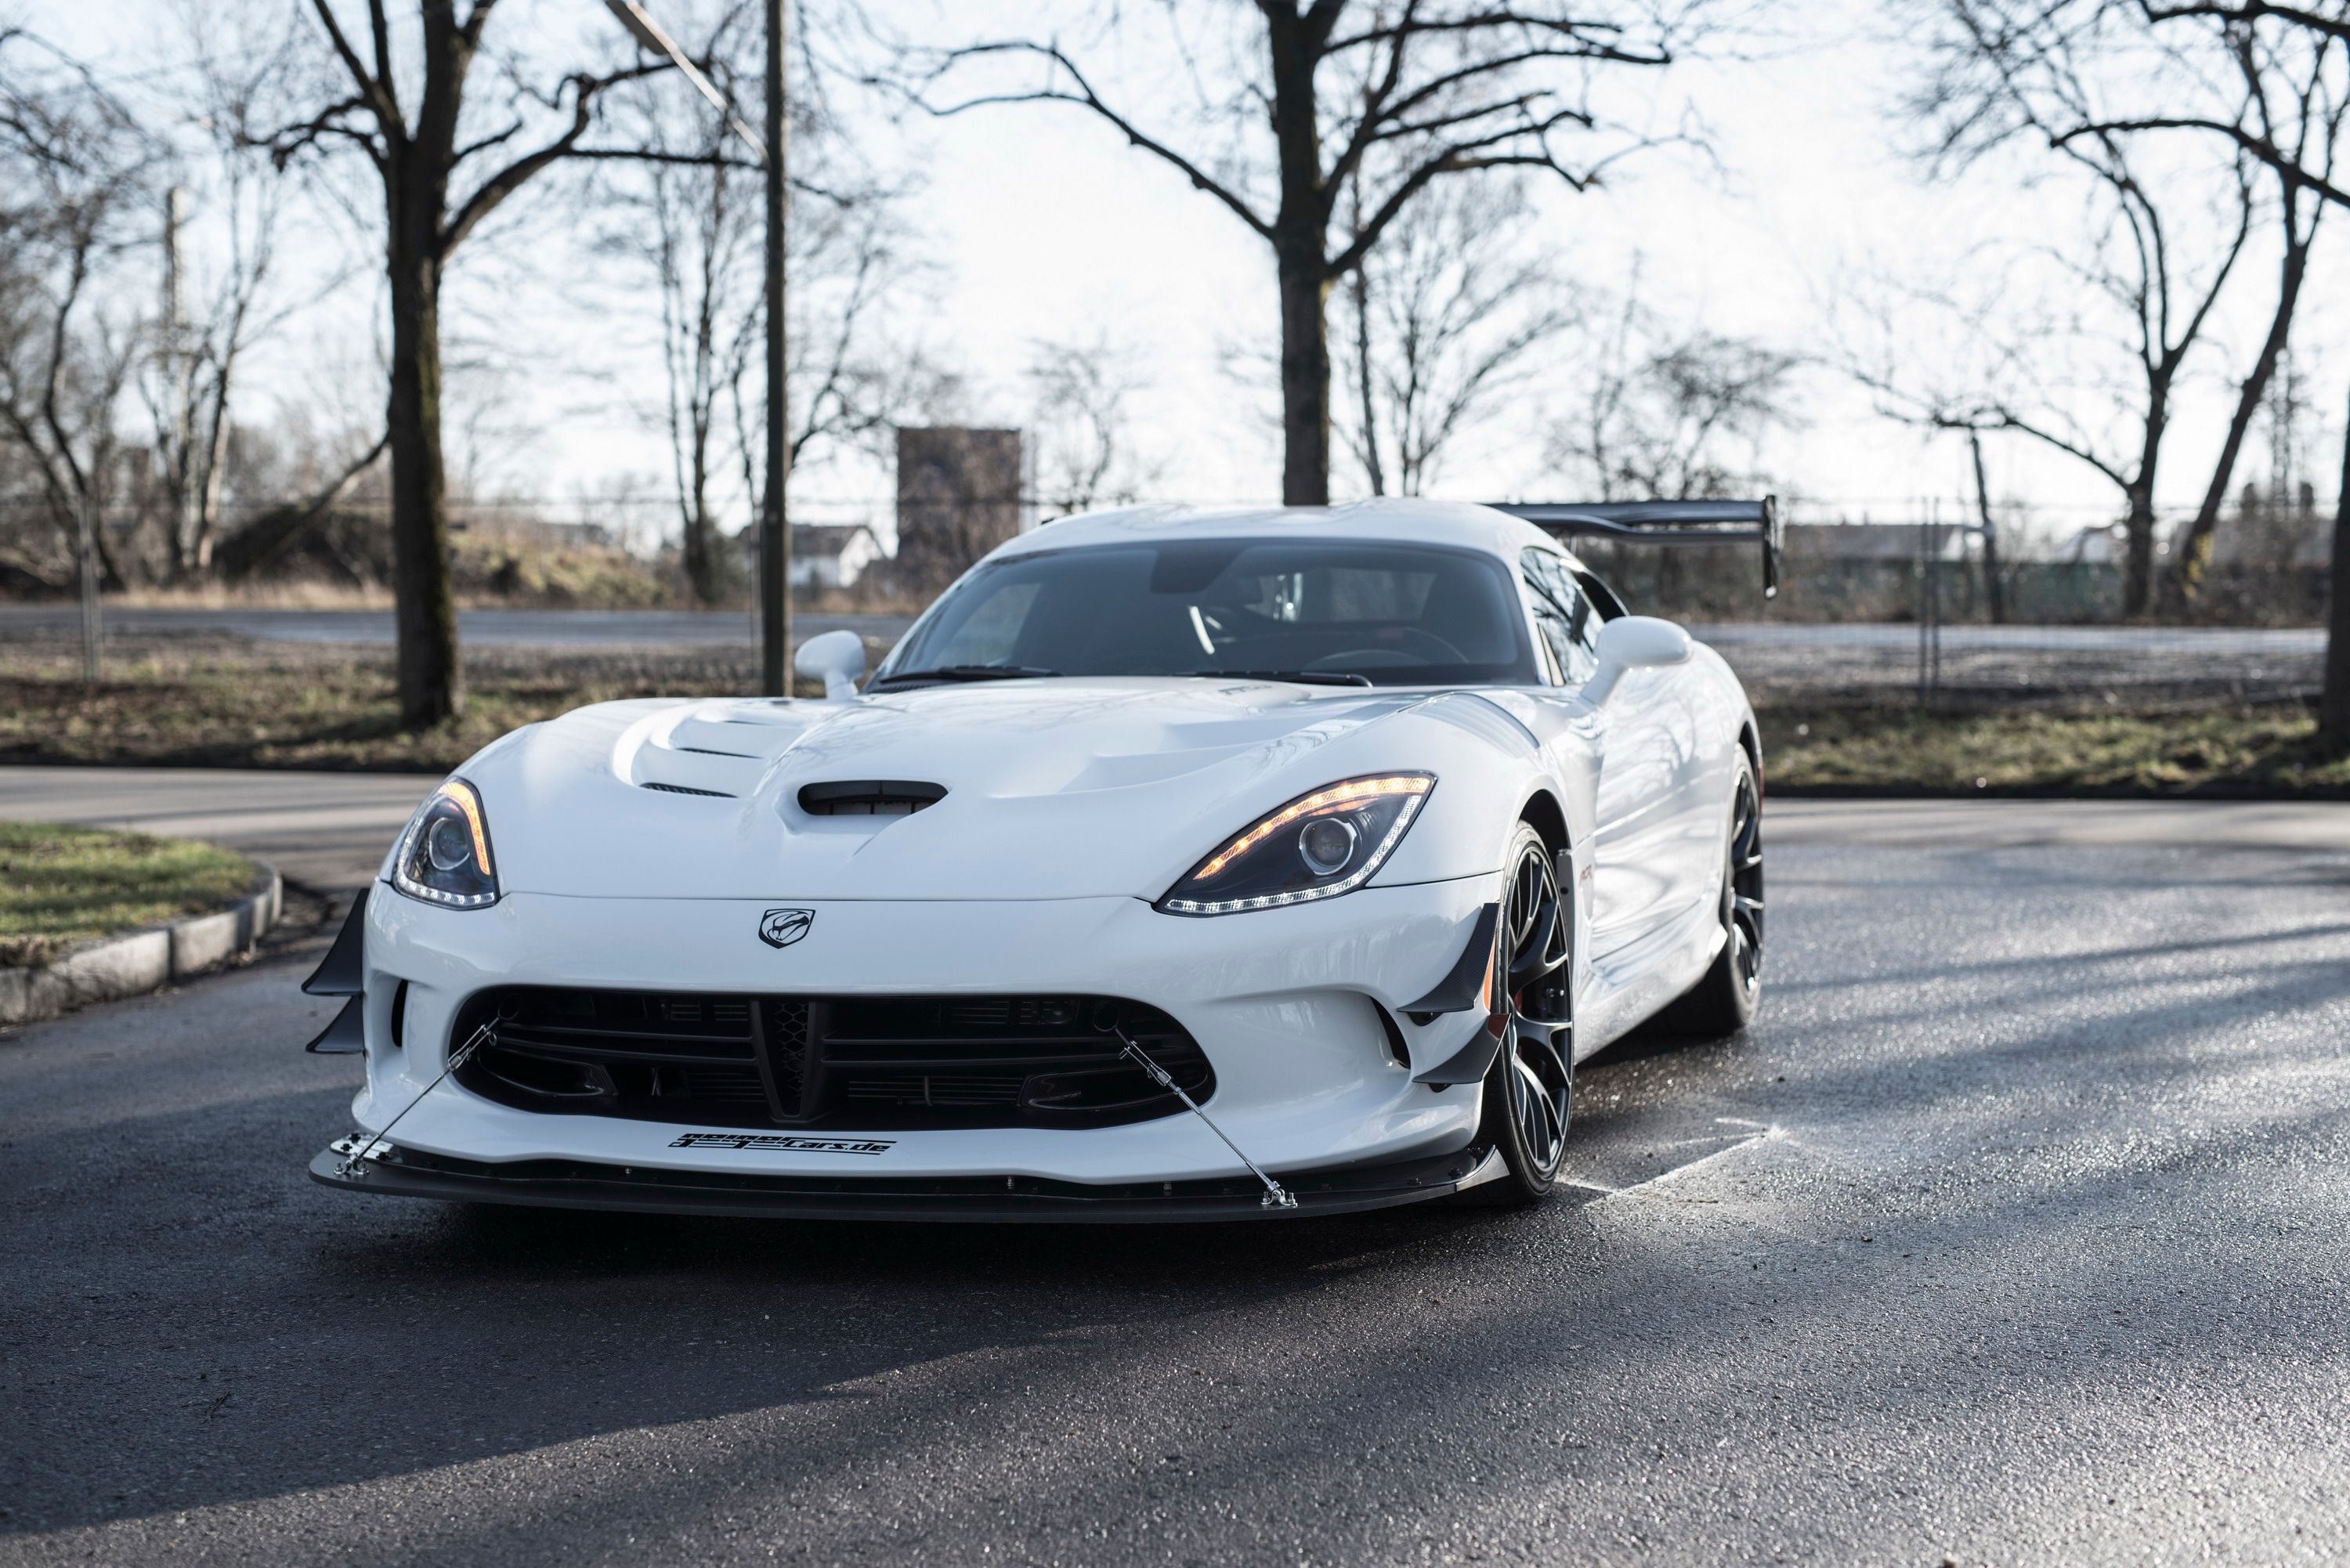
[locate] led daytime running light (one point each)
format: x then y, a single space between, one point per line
1353 792
461 795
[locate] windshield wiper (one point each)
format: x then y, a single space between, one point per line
966 672
1300 676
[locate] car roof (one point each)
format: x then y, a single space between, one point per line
1389 519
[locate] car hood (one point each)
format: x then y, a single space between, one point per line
1059 788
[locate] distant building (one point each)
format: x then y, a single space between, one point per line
962 492
832 556
1885 542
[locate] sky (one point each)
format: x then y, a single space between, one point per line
1038 224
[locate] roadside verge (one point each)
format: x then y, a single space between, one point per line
129 964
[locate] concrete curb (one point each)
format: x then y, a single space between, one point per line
140 962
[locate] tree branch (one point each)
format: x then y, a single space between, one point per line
2250 13
1086 97
1459 157
494 190
374 91
2267 152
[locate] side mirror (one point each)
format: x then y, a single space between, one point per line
1634 642
836 658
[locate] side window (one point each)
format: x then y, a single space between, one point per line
1569 624
1551 636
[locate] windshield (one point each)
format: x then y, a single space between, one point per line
1360 612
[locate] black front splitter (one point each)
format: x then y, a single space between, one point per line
993 1199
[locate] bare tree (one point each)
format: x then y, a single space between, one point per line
1081 431
2320 28
1441 321
75 168
1679 418
693 222
2285 91
2000 80
1396 94
425 149
213 315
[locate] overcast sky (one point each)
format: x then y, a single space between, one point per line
1041 224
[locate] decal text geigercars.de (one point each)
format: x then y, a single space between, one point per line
784 1143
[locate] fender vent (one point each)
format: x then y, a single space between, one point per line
869 797
687 789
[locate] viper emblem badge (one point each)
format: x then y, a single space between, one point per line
782 927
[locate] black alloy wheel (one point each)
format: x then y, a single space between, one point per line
1723 1001
1742 895
1530 1094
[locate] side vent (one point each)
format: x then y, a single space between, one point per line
687 789
869 797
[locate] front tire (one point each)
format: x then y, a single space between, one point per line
1723 1003
1530 1092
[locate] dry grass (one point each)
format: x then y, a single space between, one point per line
2265 749
222 701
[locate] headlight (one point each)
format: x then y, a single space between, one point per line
445 855
1317 847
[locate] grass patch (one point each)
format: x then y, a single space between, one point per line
59 885
222 702
2269 749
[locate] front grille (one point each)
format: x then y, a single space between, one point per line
863 1062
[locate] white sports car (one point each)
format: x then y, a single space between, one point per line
1176 865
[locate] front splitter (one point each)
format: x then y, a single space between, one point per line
992 1199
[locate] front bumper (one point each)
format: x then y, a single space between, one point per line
1287 1003
398 1172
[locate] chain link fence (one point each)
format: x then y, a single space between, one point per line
1905 613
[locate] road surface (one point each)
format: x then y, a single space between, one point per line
2011 1233
650 629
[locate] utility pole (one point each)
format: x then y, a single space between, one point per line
775 529
178 386
90 629
774 526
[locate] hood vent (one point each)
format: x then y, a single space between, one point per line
869 797
687 789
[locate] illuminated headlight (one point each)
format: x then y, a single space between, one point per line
444 854
1317 847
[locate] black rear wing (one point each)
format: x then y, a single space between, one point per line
1665 523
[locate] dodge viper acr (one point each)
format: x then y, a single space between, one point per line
1175 865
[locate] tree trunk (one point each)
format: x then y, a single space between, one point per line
1305 376
1995 585
2193 557
1300 230
2334 707
431 683
2137 568
2137 559
701 557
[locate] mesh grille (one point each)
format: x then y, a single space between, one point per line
853 1063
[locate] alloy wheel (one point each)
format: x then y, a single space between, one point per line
1743 915
1538 1030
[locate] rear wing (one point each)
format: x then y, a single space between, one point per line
1665 523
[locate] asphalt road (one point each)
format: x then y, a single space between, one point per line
663 628
2011 1233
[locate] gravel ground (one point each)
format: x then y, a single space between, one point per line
2011 1235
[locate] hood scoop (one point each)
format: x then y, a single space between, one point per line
869 797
